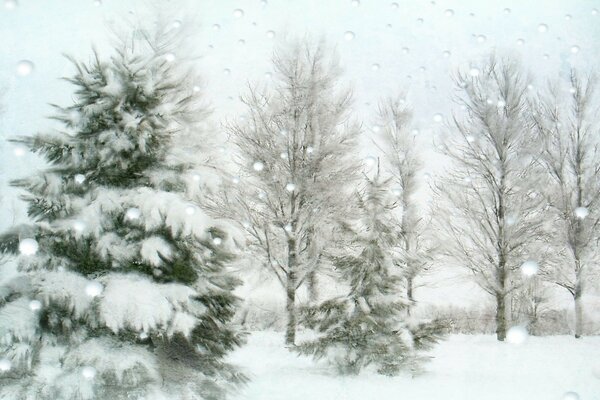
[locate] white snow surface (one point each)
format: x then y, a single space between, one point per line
462 368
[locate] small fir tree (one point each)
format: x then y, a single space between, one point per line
368 325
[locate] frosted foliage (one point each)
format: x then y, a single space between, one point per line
66 288
111 246
153 248
183 323
154 393
92 214
340 355
113 86
17 321
181 297
74 386
160 208
134 302
21 354
154 209
48 183
128 364
10 283
49 369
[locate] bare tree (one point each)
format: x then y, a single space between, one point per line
564 118
400 151
530 304
489 212
295 161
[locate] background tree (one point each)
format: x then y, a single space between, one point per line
489 208
295 161
570 153
529 304
400 150
124 289
366 326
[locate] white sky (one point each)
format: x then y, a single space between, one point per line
42 30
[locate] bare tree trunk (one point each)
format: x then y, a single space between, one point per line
290 333
500 316
578 244
501 300
501 273
409 293
311 282
578 309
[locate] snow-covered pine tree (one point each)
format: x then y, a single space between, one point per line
124 291
368 325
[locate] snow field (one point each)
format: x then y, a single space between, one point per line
462 368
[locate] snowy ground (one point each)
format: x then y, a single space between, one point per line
463 368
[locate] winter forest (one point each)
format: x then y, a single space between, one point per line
301 199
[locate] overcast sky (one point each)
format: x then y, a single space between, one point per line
385 47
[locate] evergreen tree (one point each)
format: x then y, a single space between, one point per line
124 291
368 325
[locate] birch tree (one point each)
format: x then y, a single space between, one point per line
294 160
564 119
489 211
404 165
